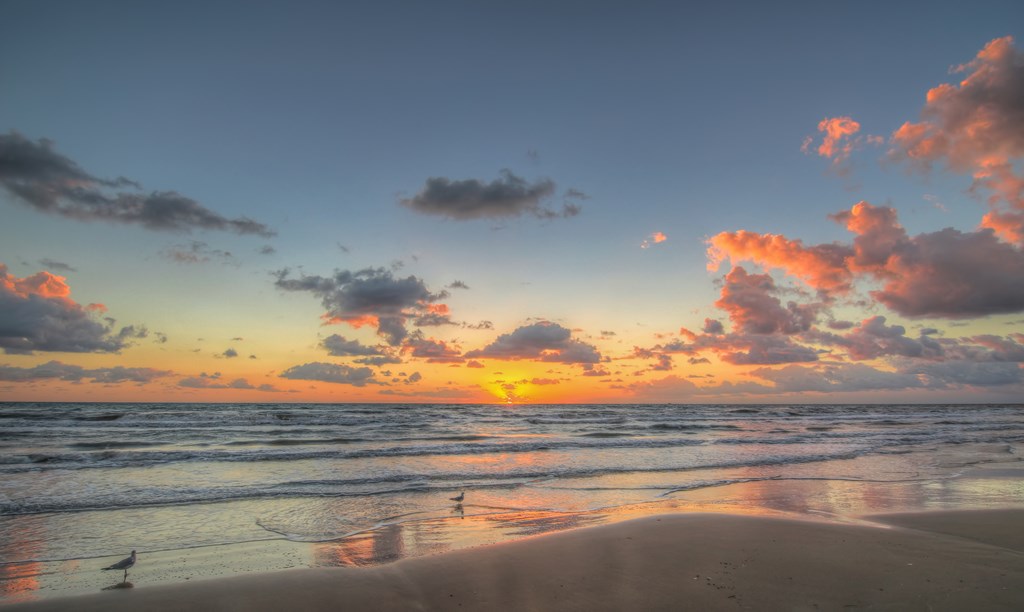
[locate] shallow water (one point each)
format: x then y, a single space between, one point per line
371 483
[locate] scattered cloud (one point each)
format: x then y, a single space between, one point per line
59 266
339 346
831 378
215 381
434 351
544 381
479 326
380 360
40 177
434 315
331 373
543 341
55 370
654 238
373 296
195 252
507 196
873 338
839 141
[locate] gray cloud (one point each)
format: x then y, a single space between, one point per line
987 347
379 360
195 252
543 341
37 315
339 346
59 266
331 373
213 381
836 377
37 175
72 373
434 351
369 297
764 350
970 373
507 196
873 339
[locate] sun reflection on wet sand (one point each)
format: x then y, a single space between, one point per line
19 581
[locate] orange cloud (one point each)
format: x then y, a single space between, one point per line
42 284
653 239
355 321
837 129
839 141
438 309
821 266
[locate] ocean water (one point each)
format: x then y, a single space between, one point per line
85 481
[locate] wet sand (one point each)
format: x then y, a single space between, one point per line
923 561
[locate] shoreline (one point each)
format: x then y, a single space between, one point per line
480 526
939 560
975 478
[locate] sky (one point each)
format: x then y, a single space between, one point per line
544 202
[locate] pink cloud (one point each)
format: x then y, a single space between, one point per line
821 266
948 273
839 141
977 127
837 131
753 307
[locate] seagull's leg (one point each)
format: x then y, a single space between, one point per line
125 575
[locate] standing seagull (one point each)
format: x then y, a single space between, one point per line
458 499
123 564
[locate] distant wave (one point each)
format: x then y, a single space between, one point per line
376 486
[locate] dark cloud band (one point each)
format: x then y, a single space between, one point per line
37 175
507 196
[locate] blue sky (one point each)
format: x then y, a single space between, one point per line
317 119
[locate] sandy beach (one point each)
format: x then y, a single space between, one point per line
924 561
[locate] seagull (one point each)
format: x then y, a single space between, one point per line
123 564
458 499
